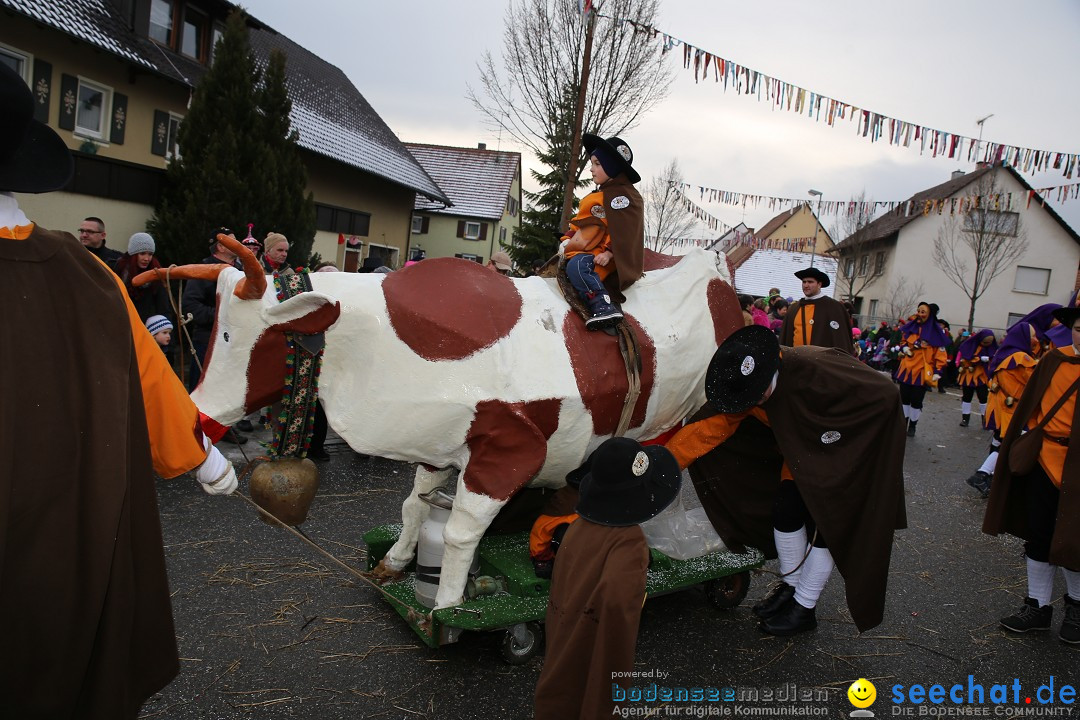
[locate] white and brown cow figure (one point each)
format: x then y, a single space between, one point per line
451 365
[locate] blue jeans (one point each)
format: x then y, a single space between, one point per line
580 270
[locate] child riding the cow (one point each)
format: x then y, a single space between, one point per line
604 253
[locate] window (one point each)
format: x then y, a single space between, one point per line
341 220
172 142
511 205
1014 318
17 61
193 38
417 224
1032 280
468 256
472 230
879 264
989 222
92 109
849 268
502 236
161 21
215 37
873 309
864 265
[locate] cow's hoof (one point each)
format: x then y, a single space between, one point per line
383 574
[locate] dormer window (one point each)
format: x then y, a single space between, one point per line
161 21
193 40
181 27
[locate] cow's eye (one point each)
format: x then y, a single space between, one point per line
226 337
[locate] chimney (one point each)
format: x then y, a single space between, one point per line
956 174
481 146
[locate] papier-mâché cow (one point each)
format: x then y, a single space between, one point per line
451 365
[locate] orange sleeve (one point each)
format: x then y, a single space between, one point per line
171 417
697 439
941 359
1013 380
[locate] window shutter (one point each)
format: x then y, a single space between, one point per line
69 96
42 88
424 224
119 119
483 231
461 228
159 140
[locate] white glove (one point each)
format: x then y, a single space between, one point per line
216 474
562 247
984 358
936 377
906 350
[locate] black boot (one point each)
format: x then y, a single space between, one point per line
965 419
604 313
774 602
981 482
911 427
792 619
1029 617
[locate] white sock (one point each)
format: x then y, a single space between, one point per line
982 409
815 573
965 408
1072 583
790 550
1040 577
915 413
907 411
989 463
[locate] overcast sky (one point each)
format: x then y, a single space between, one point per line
935 63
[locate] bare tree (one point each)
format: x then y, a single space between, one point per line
858 266
976 247
543 41
901 297
666 218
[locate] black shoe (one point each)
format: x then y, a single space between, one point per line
318 454
543 568
1070 626
244 425
774 602
231 436
965 420
792 619
911 427
1029 617
941 390
981 482
604 314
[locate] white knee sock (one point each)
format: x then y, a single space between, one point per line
989 463
965 408
914 414
982 409
790 550
815 573
907 411
1040 577
1072 583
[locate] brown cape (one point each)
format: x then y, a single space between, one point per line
626 225
839 426
592 620
85 602
826 312
1007 507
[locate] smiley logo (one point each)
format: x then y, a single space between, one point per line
862 693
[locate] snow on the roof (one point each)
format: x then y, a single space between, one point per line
477 181
766 269
89 20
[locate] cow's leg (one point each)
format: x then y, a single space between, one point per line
413 513
507 443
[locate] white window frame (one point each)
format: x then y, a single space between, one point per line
502 236
1034 270
977 221
25 58
171 40
849 267
864 264
172 137
1014 318
391 254
880 258
472 234
469 256
873 309
106 110
417 224
216 33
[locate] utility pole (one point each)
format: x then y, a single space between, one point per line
817 223
978 147
579 113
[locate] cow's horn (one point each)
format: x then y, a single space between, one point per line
253 284
179 272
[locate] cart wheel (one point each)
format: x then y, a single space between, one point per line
727 592
522 642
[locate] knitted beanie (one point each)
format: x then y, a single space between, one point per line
612 167
273 239
140 242
157 323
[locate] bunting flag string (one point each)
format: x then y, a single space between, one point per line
869 124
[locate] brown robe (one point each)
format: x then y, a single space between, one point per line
597 591
87 623
839 426
822 334
626 225
1006 509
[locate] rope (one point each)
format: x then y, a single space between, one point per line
809 547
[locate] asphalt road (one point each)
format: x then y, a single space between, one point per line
269 628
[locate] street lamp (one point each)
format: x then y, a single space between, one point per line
817 222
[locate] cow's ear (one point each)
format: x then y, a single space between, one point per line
307 313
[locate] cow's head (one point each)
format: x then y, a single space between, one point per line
244 368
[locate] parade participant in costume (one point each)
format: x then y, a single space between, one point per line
1010 369
816 456
922 358
88 628
598 585
1041 504
816 319
973 357
605 251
